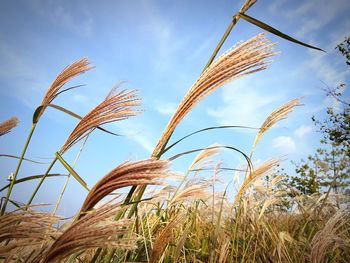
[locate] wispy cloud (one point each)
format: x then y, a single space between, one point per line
138 132
312 15
302 131
243 105
165 108
74 18
16 69
162 31
284 143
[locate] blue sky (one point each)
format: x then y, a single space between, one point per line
160 48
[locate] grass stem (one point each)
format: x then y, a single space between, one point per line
14 177
40 183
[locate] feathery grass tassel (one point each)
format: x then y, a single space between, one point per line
118 105
91 232
8 125
75 69
249 57
127 174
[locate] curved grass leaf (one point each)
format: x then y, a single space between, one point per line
215 147
275 31
32 177
64 90
221 168
15 203
206 129
17 157
71 171
78 117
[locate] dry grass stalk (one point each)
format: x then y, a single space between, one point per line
277 115
78 67
118 105
33 233
246 58
331 238
8 125
257 173
95 229
127 174
247 5
164 237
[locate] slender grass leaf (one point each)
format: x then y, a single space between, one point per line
275 31
207 129
214 147
36 114
65 111
71 171
17 157
221 168
15 203
32 177
57 107
64 90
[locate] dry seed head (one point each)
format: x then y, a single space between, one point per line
118 105
192 192
78 67
33 232
95 229
247 5
127 174
208 152
277 115
330 238
254 175
164 238
247 58
8 125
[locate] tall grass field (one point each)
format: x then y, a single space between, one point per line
145 211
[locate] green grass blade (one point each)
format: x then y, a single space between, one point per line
214 147
17 157
64 90
71 171
29 178
15 203
57 107
275 31
206 129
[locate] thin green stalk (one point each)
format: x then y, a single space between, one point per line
68 177
40 183
13 179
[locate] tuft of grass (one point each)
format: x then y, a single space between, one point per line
8 125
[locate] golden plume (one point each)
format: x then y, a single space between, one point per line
118 105
8 125
242 60
95 229
127 174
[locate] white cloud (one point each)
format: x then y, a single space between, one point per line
161 31
165 108
137 131
79 98
303 131
78 21
284 143
315 14
243 105
327 71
